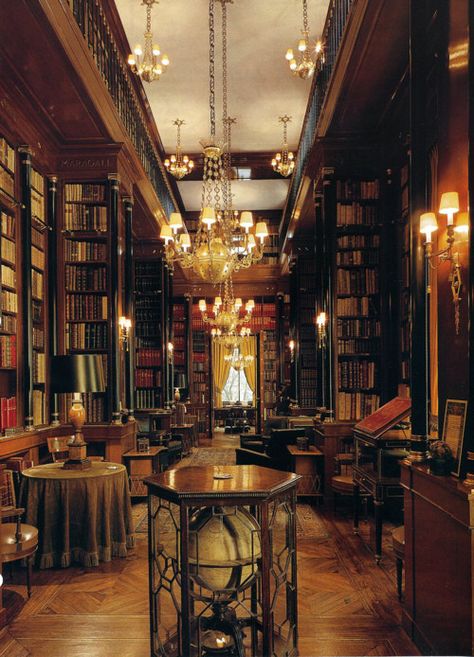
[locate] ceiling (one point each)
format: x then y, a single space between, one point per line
261 87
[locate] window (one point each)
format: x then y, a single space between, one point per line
236 388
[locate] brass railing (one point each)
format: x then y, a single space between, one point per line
115 74
336 21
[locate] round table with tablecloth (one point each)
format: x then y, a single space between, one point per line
82 516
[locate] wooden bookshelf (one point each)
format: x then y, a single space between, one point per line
39 249
264 322
357 298
201 388
149 355
86 254
307 332
8 289
180 337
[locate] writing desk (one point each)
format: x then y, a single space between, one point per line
82 516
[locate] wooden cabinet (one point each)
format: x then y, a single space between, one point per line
438 610
140 465
309 465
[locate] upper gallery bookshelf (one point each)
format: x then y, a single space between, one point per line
357 298
200 388
180 339
8 288
86 255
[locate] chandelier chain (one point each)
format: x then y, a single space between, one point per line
212 80
305 17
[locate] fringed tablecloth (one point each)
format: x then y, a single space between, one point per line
82 516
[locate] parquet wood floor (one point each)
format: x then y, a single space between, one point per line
347 604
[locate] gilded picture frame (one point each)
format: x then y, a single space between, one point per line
453 429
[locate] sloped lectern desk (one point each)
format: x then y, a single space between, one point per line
379 449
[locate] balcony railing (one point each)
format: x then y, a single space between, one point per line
336 21
93 25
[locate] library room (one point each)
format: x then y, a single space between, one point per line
236 328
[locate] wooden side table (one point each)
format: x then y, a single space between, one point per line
187 431
309 465
140 465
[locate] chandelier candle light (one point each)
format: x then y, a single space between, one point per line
179 165
284 162
227 314
145 62
310 52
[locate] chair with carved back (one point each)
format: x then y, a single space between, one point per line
58 447
341 482
17 540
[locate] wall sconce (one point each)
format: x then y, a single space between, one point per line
321 321
125 325
428 225
170 353
292 345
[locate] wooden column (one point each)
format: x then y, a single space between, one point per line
52 187
165 334
188 339
294 333
328 240
114 364
129 307
418 165
26 296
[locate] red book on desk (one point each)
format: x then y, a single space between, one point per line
385 417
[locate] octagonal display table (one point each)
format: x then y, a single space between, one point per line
222 559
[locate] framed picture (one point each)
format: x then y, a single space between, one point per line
453 429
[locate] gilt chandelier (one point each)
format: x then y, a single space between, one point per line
179 165
237 360
145 62
284 162
310 53
227 317
224 242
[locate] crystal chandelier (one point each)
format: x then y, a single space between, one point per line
145 61
227 314
310 52
223 242
237 360
179 165
284 162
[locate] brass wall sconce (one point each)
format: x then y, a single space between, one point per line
125 325
449 206
321 321
170 350
292 346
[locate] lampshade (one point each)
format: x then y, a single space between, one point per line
202 305
185 241
77 373
208 216
176 221
180 380
246 219
261 230
449 203
166 233
462 223
218 302
428 222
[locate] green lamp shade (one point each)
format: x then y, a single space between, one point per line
77 373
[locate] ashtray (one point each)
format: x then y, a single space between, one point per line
222 475
112 467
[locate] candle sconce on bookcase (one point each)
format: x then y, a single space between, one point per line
170 350
321 321
428 225
292 346
125 325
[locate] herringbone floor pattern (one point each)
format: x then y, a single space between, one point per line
347 604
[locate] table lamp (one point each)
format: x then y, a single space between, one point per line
179 385
76 374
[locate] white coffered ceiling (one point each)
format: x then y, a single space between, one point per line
261 87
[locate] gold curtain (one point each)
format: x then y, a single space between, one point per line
220 370
249 348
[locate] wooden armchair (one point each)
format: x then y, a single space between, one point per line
58 447
17 540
